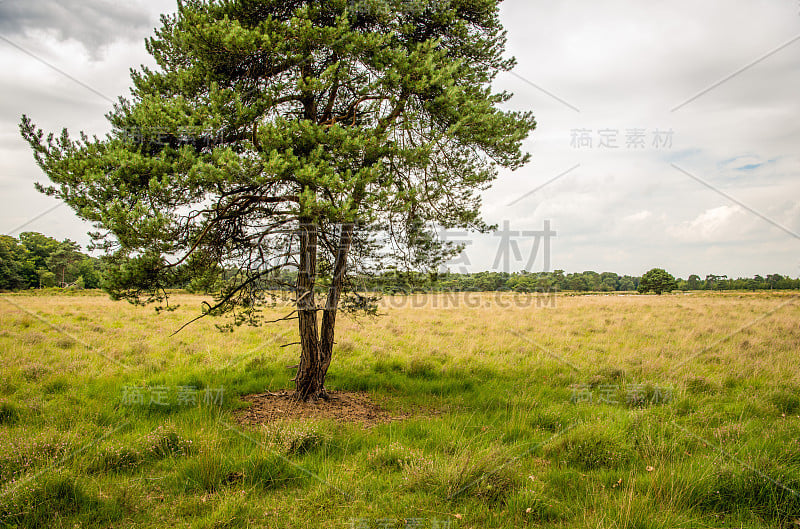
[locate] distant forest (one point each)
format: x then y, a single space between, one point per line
36 261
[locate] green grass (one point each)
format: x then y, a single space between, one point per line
603 411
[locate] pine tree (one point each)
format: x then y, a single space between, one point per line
322 135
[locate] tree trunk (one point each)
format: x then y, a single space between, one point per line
334 294
317 351
309 381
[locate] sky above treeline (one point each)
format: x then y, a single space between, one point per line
667 132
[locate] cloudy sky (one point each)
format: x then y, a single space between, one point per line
668 132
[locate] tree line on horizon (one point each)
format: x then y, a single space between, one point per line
34 260
559 281
37 261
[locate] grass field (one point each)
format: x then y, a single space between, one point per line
583 411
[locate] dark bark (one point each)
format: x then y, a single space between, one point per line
317 350
334 294
308 381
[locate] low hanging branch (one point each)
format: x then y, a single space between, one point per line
345 137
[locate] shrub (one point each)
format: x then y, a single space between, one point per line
19 456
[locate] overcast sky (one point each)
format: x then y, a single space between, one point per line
668 132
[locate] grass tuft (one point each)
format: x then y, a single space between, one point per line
393 457
487 475
9 414
786 401
164 442
771 493
591 447
52 497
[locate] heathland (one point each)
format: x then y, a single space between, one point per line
488 410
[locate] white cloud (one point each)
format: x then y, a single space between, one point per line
638 217
622 64
716 224
93 23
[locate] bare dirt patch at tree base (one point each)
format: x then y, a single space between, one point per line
343 406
